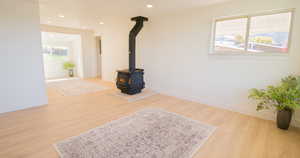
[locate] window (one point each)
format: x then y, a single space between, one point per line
262 33
55 54
231 35
56 51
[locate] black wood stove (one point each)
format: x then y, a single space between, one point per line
131 81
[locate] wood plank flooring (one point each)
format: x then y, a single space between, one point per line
31 133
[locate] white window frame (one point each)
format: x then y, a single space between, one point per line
248 17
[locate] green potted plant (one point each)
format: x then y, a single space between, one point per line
284 97
69 66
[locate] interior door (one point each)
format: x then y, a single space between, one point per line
99 53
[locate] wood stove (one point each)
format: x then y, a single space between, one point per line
131 81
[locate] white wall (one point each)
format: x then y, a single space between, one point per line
89 54
175 57
114 36
88 45
77 53
22 79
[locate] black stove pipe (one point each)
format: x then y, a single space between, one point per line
132 40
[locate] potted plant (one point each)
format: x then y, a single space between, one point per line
69 66
284 97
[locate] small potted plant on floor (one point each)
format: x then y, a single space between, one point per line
285 98
69 66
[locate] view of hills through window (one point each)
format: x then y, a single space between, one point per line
258 34
55 55
58 51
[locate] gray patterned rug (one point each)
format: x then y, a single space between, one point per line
150 133
75 87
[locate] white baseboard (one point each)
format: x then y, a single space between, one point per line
296 123
21 108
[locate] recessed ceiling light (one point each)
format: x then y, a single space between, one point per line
101 23
149 6
61 16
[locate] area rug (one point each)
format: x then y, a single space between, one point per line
149 133
75 87
131 98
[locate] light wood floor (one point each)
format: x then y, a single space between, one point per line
31 132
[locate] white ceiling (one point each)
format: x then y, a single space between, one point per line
88 13
51 37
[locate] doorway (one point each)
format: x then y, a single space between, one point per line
61 55
99 56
